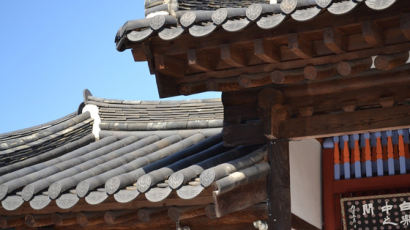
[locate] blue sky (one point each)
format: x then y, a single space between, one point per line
51 50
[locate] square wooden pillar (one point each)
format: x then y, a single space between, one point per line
279 186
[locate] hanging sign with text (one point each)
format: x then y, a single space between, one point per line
390 211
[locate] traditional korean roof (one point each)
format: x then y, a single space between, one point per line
170 19
31 142
145 151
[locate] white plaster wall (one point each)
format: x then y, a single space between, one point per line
305 180
93 109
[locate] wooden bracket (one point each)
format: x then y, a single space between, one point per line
232 56
372 33
199 62
170 66
266 51
333 40
300 47
405 25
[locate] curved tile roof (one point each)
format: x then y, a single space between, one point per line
200 23
128 115
20 145
126 165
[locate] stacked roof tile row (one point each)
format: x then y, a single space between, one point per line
127 165
23 144
200 21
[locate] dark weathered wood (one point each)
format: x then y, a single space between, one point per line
201 62
117 217
346 68
333 40
347 123
232 56
299 46
253 134
306 111
296 64
254 80
266 51
372 33
300 224
169 65
39 220
64 219
386 102
12 221
391 61
278 114
152 214
138 55
405 25
183 213
278 185
287 76
240 198
319 72
85 219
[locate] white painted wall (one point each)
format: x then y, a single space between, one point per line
93 109
305 180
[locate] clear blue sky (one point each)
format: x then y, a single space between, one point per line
51 50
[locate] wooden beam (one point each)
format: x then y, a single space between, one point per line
300 47
232 56
300 224
64 219
405 25
372 33
86 219
278 186
240 198
151 214
372 184
287 76
254 80
319 72
328 203
200 62
347 68
391 61
11 221
266 51
361 121
118 217
253 134
39 220
292 65
138 54
333 40
184 213
169 65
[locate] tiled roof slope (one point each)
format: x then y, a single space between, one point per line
158 115
126 165
22 144
215 4
170 22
